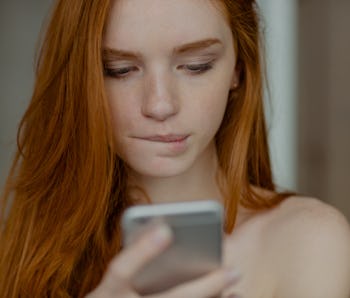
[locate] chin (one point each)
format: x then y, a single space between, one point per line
161 167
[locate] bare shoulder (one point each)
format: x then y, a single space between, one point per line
305 212
309 242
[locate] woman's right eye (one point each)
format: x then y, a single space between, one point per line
118 73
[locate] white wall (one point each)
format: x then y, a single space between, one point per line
280 17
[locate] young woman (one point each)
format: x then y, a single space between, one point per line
156 101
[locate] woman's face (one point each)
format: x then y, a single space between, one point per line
169 67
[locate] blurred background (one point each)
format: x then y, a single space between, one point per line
308 106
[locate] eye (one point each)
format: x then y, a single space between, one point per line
118 73
198 68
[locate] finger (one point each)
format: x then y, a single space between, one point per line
208 286
138 254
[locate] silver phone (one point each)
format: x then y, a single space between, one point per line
196 248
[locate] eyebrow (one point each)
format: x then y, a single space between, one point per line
197 45
109 53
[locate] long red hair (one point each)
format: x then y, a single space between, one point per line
66 189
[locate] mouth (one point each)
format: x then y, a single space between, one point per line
171 144
170 138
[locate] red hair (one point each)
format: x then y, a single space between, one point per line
67 189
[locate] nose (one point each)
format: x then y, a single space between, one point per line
159 102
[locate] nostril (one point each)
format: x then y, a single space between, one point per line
159 108
160 101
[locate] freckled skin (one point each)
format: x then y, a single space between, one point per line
160 96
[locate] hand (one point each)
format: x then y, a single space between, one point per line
117 279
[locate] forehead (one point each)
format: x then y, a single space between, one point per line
139 23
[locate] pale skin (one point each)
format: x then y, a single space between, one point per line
161 101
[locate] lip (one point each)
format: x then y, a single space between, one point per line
169 138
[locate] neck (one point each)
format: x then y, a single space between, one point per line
196 183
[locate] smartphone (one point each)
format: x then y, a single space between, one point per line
196 248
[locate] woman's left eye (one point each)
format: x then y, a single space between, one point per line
198 68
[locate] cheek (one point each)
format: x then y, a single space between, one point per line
123 109
211 104
213 111
122 112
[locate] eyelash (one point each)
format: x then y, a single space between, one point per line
194 69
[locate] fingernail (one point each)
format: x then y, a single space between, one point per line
232 275
161 235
